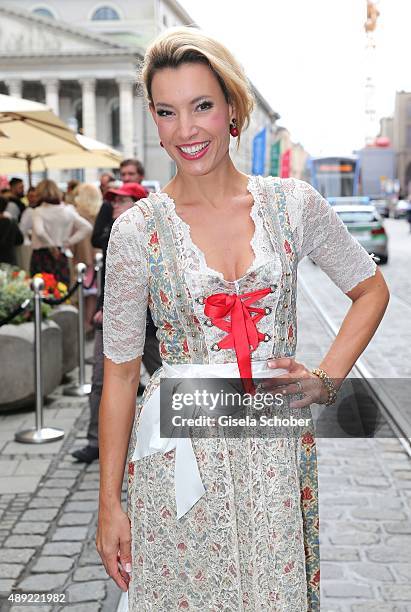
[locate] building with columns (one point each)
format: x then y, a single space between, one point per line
81 57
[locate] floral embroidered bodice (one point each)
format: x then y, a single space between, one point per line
153 260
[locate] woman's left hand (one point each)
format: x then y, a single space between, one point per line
298 379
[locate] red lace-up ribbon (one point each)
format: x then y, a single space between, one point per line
235 315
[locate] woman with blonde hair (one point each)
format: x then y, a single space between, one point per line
88 201
57 227
217 523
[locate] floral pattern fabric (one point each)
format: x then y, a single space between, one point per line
251 542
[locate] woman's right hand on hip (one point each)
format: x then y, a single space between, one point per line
113 542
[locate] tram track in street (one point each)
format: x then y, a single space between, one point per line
401 300
389 408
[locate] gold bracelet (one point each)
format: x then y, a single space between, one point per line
329 385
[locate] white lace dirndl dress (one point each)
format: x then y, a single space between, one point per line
246 539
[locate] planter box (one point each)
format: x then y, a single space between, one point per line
66 317
17 362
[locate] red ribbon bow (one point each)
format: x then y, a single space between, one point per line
242 333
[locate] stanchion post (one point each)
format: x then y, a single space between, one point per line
38 286
82 388
38 434
98 266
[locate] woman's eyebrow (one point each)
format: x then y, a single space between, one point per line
197 99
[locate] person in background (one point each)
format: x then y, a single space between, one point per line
105 182
56 228
31 197
88 202
26 221
119 200
5 192
26 226
16 205
10 235
131 171
71 191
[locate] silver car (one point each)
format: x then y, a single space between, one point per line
382 205
366 225
401 209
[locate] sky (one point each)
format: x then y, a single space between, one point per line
308 60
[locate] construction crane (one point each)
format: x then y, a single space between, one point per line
372 16
371 124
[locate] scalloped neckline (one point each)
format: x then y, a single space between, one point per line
172 206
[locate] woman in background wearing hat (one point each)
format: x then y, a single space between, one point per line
217 523
121 199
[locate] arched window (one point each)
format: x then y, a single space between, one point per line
43 12
105 13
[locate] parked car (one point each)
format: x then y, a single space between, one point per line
401 208
151 185
366 225
348 200
382 205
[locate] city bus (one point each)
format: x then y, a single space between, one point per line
333 176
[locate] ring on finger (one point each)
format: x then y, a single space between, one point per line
299 385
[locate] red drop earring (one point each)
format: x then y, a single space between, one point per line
233 128
161 143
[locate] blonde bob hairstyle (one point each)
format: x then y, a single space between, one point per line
181 45
47 191
88 200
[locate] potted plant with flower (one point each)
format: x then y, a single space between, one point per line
17 342
66 316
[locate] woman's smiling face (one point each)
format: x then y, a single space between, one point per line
192 117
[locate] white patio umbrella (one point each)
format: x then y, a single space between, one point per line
94 154
29 131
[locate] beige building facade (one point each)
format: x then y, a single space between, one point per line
81 58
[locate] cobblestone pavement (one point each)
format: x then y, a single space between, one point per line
388 356
397 270
392 342
48 512
365 500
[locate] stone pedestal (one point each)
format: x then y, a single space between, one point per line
17 388
66 317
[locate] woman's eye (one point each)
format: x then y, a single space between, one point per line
163 113
205 105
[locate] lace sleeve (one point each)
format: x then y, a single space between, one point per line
126 289
322 235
